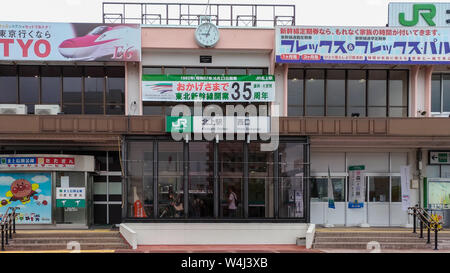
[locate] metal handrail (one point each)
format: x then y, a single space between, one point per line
8 226
425 219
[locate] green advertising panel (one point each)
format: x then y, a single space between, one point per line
178 124
218 88
70 203
438 194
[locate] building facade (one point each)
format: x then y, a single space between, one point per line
334 108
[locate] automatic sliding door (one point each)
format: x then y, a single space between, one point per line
231 166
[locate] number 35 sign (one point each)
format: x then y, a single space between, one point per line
233 88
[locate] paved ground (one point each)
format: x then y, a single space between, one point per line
330 250
223 249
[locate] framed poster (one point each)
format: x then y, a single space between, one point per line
31 192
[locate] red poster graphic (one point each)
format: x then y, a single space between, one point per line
139 210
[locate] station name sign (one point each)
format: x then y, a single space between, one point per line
36 162
364 45
23 41
220 88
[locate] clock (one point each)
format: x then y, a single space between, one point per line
207 34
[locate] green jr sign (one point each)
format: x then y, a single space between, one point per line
427 11
178 124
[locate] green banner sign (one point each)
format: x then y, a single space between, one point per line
222 88
70 203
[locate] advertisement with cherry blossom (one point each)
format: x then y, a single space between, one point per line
31 193
365 45
23 41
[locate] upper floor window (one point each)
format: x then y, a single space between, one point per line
440 94
341 92
77 89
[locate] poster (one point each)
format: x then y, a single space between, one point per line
363 45
356 187
70 197
221 88
438 194
405 181
38 41
31 193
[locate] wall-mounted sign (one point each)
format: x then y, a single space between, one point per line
439 157
227 88
21 162
31 193
419 14
218 124
356 187
368 45
23 41
438 193
71 197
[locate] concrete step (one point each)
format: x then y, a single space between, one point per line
63 246
383 245
400 239
49 240
377 234
22 234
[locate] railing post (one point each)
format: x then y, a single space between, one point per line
3 237
10 226
414 221
14 221
428 239
6 233
435 238
421 229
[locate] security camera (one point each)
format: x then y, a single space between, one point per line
422 113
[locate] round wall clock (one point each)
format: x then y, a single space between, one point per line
207 34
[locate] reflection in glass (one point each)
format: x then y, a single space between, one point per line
379 189
315 92
72 87
8 84
356 98
230 176
336 93
376 93
295 92
291 200
201 179
398 93
51 85
319 189
436 93
29 86
446 93
396 189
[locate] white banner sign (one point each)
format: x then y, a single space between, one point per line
405 178
357 187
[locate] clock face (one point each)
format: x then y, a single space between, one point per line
207 35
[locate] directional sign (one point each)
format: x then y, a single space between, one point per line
439 157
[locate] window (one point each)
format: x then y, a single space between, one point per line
115 90
295 92
29 86
94 85
72 90
319 189
440 93
8 84
340 92
315 92
51 85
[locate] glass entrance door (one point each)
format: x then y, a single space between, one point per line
378 202
231 168
72 212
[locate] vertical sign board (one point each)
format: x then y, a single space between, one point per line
419 14
405 181
31 192
357 187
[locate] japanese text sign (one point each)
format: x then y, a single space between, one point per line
208 88
22 41
377 45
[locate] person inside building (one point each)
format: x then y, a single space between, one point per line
232 202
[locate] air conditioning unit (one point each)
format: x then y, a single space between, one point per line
47 109
13 109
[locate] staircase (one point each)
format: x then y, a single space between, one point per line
358 238
42 240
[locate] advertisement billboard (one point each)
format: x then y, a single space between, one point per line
364 45
221 88
23 41
31 193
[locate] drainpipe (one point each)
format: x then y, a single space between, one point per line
419 173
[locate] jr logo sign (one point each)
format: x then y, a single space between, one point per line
427 11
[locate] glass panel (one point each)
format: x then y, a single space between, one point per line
71 215
72 86
118 109
115 85
336 93
114 162
140 179
94 82
291 201
319 189
377 93
315 92
153 110
356 100
152 70
396 190
379 189
257 71
295 92
398 93
436 93
51 84
195 71
8 84
93 109
230 177
29 84
260 183
173 70
215 71
446 93
170 179
236 71
201 179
